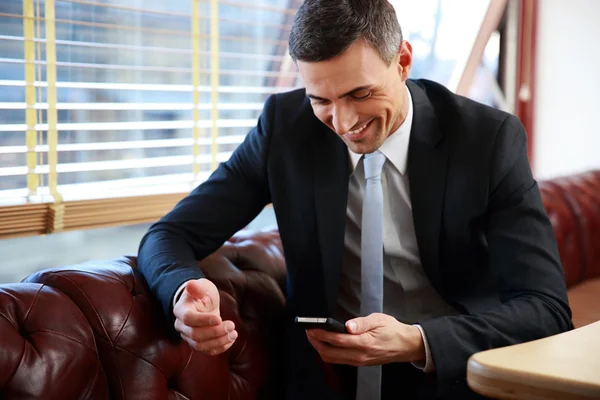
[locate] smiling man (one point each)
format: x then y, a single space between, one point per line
405 211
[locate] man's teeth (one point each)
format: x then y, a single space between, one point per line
359 130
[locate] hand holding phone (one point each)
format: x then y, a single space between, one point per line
328 324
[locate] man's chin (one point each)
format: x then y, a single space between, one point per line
360 148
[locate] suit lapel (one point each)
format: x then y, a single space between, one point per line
427 164
330 173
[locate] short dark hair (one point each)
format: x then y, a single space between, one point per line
324 29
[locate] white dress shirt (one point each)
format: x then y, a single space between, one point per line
408 293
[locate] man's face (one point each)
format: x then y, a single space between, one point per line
358 96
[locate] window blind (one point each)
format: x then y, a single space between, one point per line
111 111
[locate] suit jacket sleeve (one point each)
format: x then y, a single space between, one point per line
522 254
198 225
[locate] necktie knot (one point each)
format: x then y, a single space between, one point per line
373 164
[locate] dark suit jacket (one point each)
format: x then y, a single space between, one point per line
484 238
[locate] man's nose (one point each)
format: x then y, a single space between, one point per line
343 120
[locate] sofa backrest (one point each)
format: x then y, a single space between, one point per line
573 205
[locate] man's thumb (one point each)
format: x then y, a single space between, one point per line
205 294
358 325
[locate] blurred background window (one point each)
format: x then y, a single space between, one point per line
113 110
149 95
442 34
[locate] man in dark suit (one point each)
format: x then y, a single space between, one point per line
461 254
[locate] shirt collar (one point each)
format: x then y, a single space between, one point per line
395 147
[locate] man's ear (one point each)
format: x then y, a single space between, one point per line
404 59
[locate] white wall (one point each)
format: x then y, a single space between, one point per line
567 112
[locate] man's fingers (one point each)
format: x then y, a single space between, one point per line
335 339
190 317
338 355
205 333
214 346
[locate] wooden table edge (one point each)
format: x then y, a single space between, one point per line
504 383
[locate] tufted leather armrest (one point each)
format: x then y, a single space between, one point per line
46 342
138 351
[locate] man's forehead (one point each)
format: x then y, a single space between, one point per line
357 60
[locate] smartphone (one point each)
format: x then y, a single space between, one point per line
328 324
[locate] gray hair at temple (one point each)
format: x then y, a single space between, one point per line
324 29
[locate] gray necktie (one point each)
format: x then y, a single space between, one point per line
371 297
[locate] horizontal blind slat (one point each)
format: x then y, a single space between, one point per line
123 67
222 54
18 232
135 126
134 106
126 145
20 221
257 6
153 87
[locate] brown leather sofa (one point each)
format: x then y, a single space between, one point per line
93 331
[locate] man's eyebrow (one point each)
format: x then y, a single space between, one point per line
349 93
312 96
